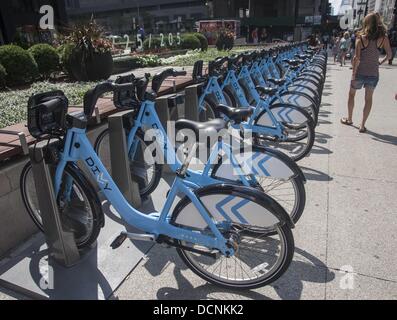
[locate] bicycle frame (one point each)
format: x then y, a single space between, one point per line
274 128
260 71
257 73
147 117
78 147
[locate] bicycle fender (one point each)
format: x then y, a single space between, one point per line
231 203
283 113
259 162
292 165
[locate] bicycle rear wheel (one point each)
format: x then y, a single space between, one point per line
259 258
281 181
298 127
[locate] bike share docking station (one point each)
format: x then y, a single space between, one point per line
49 265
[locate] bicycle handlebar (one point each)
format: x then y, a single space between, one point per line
159 78
216 64
91 97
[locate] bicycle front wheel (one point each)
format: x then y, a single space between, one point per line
208 112
78 204
260 257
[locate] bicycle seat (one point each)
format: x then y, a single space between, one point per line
302 56
293 62
238 115
266 90
201 128
278 82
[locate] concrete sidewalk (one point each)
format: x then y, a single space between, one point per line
346 239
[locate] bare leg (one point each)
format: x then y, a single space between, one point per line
369 92
350 104
342 59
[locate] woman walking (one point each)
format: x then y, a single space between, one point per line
335 47
344 48
366 65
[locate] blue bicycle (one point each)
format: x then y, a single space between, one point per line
230 235
263 168
285 127
297 85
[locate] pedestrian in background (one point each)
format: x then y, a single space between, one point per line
353 39
393 44
263 36
141 32
372 38
344 48
254 36
313 41
325 41
335 47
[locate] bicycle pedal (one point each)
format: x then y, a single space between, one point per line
118 241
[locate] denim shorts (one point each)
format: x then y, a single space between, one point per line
364 81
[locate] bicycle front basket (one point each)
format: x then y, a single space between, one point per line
46 113
126 99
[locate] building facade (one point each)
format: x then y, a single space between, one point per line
19 20
286 19
386 8
124 16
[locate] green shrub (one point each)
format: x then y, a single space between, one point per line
155 44
3 75
20 40
19 65
124 64
46 57
203 41
191 42
225 40
65 52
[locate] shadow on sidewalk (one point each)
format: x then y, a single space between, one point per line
315 175
304 268
384 138
322 138
320 150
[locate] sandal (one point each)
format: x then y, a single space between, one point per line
346 122
362 130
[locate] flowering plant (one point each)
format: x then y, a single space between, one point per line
89 36
102 45
225 40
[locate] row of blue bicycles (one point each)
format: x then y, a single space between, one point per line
230 219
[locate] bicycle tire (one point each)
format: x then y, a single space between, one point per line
282 229
84 186
150 187
297 182
309 134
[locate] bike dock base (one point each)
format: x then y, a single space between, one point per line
30 272
50 266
